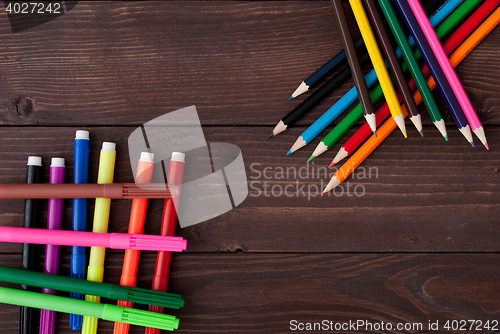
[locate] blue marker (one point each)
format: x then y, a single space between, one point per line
352 95
79 222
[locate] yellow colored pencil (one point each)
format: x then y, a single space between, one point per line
378 64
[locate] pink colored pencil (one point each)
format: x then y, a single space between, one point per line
448 70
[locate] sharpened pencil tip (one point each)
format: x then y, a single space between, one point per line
375 134
271 135
310 158
331 165
487 147
404 133
446 138
421 133
472 143
291 97
289 152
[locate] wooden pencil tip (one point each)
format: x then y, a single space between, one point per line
375 134
310 158
421 133
446 138
487 147
271 135
331 165
472 143
291 97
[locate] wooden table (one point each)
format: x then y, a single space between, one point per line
420 244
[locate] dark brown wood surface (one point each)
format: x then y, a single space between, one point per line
420 244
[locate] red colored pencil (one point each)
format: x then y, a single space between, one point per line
449 46
168 224
464 30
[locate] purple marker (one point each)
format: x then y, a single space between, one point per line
52 252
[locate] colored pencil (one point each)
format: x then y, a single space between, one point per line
378 64
357 74
449 72
458 37
78 262
309 103
95 270
437 74
442 30
390 56
34 174
339 59
52 252
104 311
168 224
136 226
345 101
462 51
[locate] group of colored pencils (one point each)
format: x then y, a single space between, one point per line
401 95
85 284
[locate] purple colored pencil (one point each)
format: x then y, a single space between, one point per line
52 252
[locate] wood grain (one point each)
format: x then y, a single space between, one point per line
237 61
421 194
262 293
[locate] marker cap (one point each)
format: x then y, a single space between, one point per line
34 161
82 134
57 162
108 146
146 156
178 156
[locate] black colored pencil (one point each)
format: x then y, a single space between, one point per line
332 84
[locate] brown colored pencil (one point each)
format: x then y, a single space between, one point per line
352 58
378 27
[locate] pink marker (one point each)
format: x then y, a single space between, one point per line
92 239
448 70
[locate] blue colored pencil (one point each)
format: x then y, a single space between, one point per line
444 10
436 72
79 219
341 105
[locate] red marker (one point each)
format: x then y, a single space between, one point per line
168 224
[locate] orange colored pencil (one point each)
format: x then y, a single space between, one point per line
382 132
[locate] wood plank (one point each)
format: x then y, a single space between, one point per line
262 293
428 195
237 61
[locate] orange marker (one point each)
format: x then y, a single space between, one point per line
168 224
136 226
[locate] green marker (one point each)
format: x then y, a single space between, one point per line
107 290
442 30
103 311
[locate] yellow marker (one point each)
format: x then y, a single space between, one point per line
101 218
378 64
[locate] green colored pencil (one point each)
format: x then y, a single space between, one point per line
416 73
338 131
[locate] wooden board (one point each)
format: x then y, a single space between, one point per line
419 245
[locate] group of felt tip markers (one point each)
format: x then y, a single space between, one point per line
85 286
429 31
